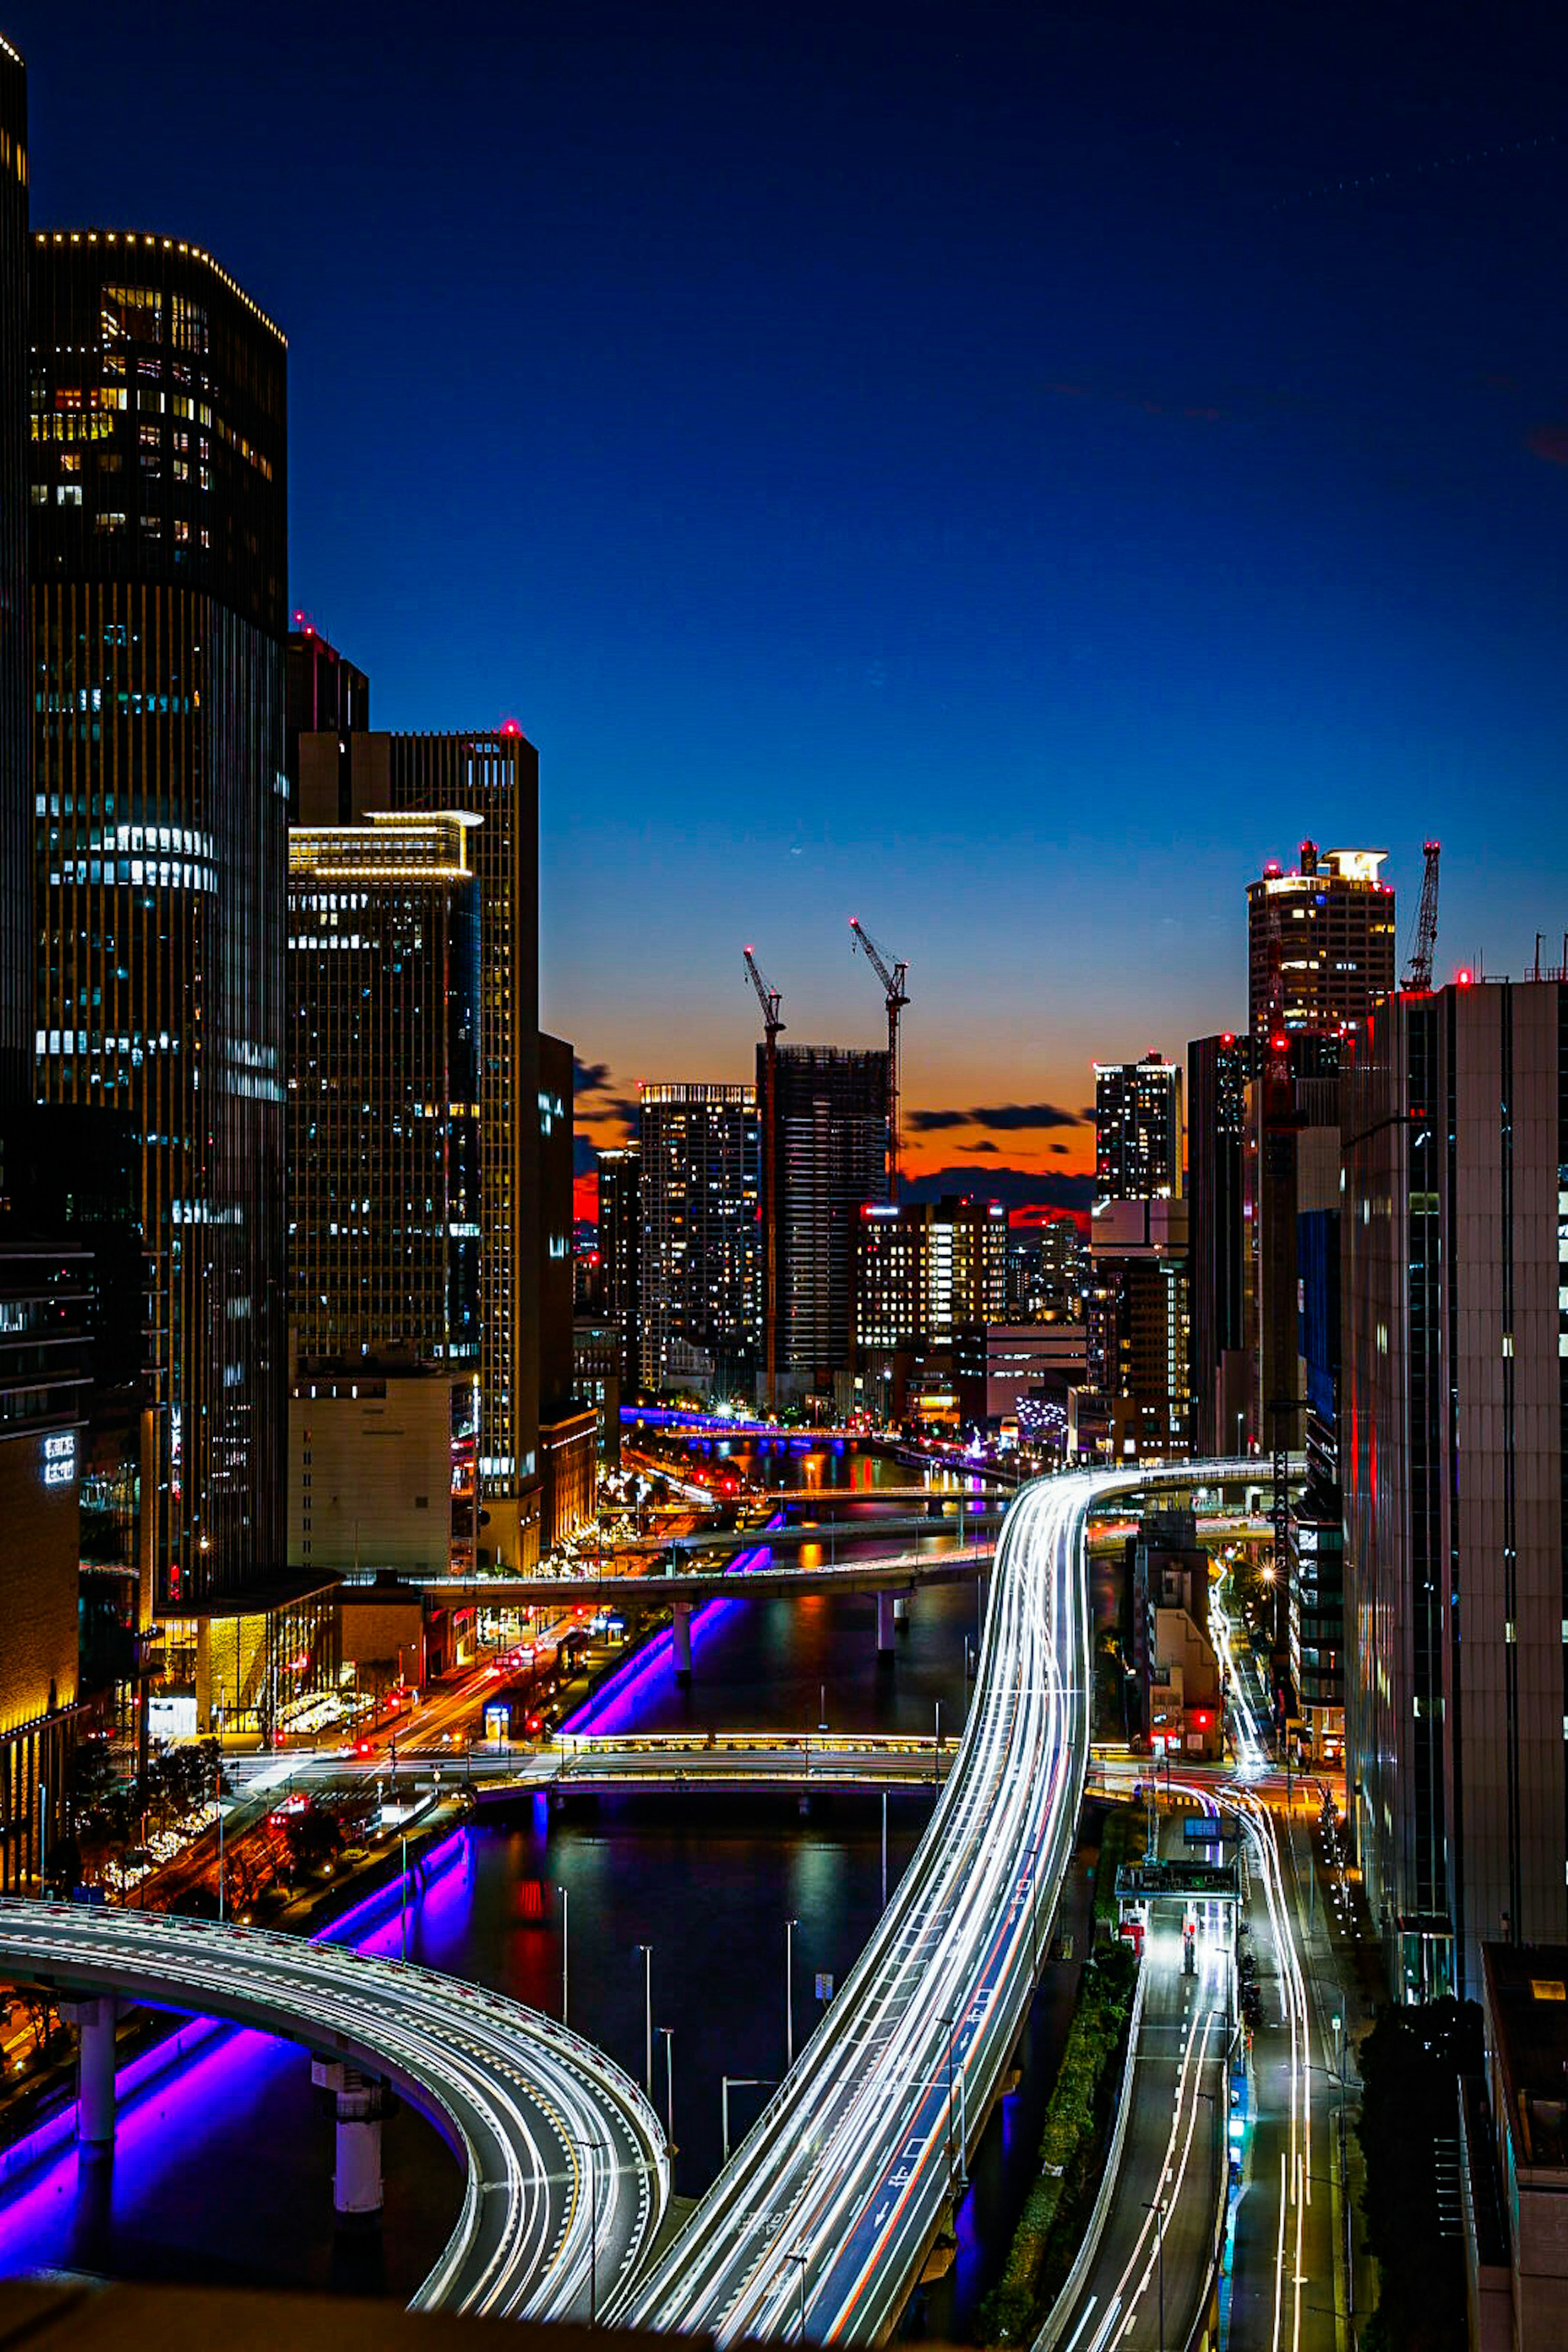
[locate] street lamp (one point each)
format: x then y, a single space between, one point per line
790 1927
565 1980
593 2146
646 1951
668 2033
795 2255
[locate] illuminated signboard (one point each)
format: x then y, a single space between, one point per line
59 1458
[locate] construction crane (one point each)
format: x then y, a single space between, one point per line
896 996
770 1000
1418 970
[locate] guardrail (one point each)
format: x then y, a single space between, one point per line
1083 2261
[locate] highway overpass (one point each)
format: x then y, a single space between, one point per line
567 2174
818 2225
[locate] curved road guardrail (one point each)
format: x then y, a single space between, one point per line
815 2226
567 2169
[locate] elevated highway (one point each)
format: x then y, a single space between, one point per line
818 2226
654 1590
567 2174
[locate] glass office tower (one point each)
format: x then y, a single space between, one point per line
158 556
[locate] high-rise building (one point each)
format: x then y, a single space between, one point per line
44 1378
495 777
700 1270
16 906
1137 1317
1138 1130
1330 924
158 555
1454 1407
620 1252
325 695
383 1083
1218 1072
923 1268
1047 1271
831 1157
568 1425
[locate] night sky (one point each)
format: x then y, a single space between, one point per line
1002 472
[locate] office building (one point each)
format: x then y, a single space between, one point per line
567 1423
1454 1402
1330 923
1047 1271
1000 1366
17 944
494 777
371 1482
1513 2153
832 1107
325 695
44 1381
924 1267
1137 1342
620 1252
1314 1531
1175 1662
158 560
598 1358
1138 1130
700 1270
384 1083
1218 1072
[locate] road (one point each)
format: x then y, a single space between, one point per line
1147 2280
816 2225
568 2175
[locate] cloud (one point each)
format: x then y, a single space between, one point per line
584 1159
1549 442
1019 1188
988 1145
1007 1118
589 1078
1061 1149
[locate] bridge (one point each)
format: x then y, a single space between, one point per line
567 2169
730 1763
818 2226
888 1574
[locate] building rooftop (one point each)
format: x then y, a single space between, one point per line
1527 1999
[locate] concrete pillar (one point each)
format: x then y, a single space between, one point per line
682 1610
885 1605
94 2021
360 2104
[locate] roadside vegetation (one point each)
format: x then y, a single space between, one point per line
1076 2126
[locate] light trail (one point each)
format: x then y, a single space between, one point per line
818 2221
526 2106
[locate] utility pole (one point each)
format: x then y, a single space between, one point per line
790 1927
646 1951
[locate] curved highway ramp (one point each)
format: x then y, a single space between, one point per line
567 2170
819 2224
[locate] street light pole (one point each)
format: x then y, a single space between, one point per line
1158 2210
593 2146
668 2033
564 1953
794 2256
646 1951
790 1927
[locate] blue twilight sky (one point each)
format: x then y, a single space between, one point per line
1000 470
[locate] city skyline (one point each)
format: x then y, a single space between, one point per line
1072 427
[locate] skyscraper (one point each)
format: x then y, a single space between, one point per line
567 1426
620 1251
158 552
831 1158
495 777
1136 1315
1454 1410
1218 1071
327 694
924 1268
382 1075
16 941
1138 1130
1330 923
701 1298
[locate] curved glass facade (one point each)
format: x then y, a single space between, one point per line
157 543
